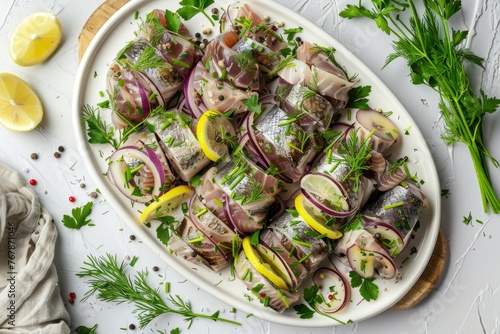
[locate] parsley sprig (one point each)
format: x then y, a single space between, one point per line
108 280
191 8
367 289
78 217
435 56
86 330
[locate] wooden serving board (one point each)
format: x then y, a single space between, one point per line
436 264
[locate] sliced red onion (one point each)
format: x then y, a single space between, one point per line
196 107
227 213
146 109
324 208
252 141
384 231
116 170
156 161
328 279
385 266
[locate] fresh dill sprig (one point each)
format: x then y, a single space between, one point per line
401 162
149 58
246 61
97 130
109 282
355 154
435 56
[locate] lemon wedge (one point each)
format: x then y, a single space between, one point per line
313 218
262 266
35 38
214 133
20 107
166 203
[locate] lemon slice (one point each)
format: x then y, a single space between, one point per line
20 107
214 132
166 203
35 38
325 188
313 218
262 266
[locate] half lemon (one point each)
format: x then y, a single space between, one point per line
35 38
20 107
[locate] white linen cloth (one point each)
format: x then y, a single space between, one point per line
30 300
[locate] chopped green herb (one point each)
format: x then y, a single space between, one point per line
78 217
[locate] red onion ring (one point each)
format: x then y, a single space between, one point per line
319 278
117 174
146 109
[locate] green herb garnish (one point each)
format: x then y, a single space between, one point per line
358 97
109 282
78 217
436 59
86 330
312 297
367 289
191 8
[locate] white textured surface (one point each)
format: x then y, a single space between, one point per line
465 301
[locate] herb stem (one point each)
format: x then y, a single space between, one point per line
108 280
209 18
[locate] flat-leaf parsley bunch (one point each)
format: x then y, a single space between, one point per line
433 52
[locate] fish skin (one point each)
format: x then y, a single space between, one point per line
402 217
265 57
212 195
185 153
276 142
205 248
220 58
286 226
180 47
316 110
166 78
209 89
